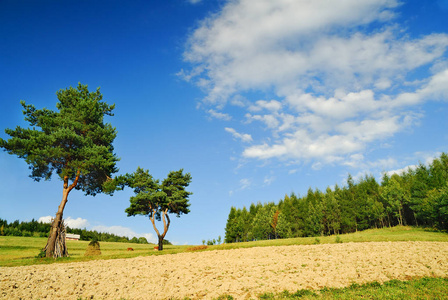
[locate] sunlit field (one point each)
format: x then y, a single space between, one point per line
305 268
17 251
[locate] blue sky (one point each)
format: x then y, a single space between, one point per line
256 99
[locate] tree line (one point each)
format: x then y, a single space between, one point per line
418 197
40 229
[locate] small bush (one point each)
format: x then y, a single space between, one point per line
316 241
338 239
41 254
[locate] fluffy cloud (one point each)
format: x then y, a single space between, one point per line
338 87
219 115
243 137
70 222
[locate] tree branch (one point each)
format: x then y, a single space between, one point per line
152 218
75 182
165 226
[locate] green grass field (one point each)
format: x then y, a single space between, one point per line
19 251
393 234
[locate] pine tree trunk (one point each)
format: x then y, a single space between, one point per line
56 246
53 247
59 247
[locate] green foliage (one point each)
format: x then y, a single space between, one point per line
261 223
152 197
94 243
142 240
70 142
415 197
284 228
41 254
166 242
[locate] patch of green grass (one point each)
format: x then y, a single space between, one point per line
19 251
423 288
392 234
225 297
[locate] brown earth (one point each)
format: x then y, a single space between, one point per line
242 273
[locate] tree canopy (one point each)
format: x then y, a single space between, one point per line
156 200
73 142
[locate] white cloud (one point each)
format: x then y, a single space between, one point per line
76 223
425 158
46 219
269 180
194 1
70 222
242 136
339 88
219 115
272 105
245 183
402 170
270 121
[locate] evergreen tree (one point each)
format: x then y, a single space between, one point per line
395 195
261 224
418 202
230 236
283 226
415 197
157 200
332 213
73 142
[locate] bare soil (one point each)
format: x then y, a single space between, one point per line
242 273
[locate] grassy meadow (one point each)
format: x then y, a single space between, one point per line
19 251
